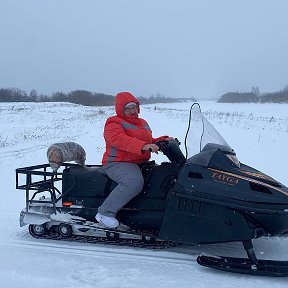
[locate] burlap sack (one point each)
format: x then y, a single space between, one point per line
64 152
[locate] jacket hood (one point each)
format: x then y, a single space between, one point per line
122 99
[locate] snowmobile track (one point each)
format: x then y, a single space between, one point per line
101 240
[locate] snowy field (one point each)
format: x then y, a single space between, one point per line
257 132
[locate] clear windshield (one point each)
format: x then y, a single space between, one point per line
200 132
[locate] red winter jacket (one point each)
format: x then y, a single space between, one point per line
126 135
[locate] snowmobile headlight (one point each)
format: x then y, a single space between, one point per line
234 159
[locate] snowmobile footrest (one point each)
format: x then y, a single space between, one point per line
245 266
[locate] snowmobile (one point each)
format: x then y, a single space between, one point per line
207 196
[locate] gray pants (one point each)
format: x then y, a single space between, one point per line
130 183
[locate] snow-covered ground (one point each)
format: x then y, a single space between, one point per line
257 132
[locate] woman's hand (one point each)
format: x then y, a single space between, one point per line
150 147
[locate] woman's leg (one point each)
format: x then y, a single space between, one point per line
130 183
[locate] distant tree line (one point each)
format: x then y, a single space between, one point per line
254 96
82 97
158 98
78 97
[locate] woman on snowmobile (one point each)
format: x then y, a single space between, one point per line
129 142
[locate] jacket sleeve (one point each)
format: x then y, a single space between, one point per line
116 136
154 140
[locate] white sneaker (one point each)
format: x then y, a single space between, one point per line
109 222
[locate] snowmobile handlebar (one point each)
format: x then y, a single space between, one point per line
163 144
170 148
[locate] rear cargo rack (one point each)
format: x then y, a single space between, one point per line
45 182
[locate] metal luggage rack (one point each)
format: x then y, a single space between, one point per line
46 182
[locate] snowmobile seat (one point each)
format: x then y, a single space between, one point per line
85 182
91 182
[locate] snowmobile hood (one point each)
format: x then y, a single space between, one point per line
122 99
204 157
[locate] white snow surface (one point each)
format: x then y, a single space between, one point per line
257 132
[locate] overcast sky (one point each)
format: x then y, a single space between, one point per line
181 48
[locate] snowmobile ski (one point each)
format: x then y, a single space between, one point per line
245 266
